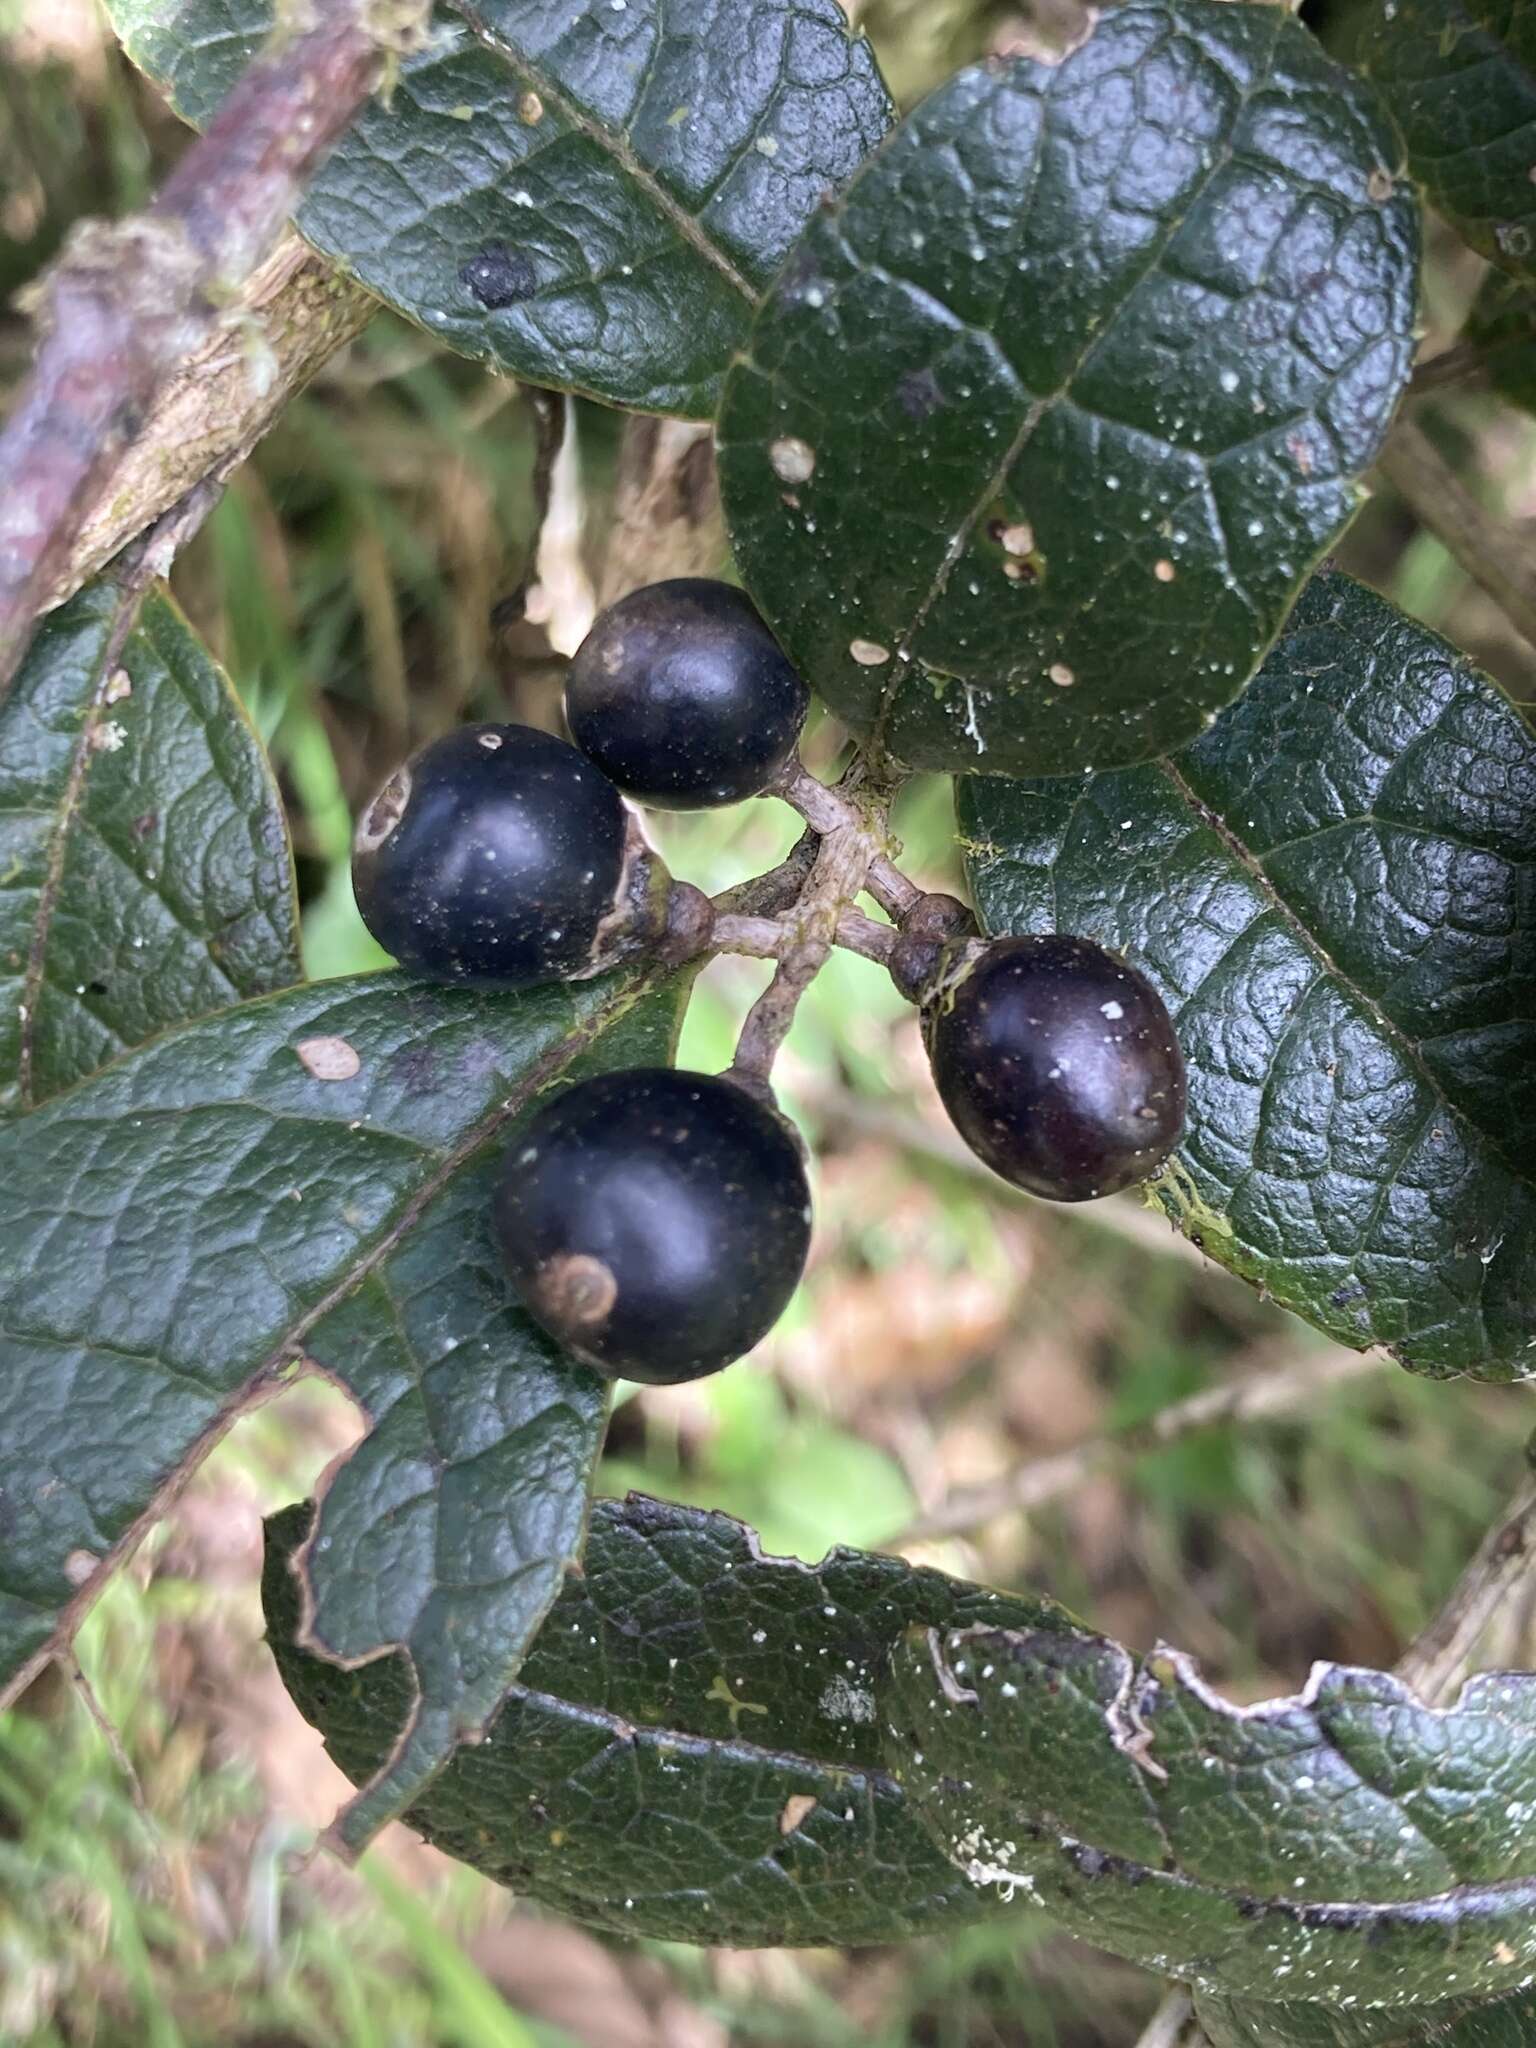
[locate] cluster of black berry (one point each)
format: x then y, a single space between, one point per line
657 1222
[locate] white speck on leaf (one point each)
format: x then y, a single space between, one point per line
328 1059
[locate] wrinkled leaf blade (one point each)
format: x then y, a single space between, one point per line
1460 79
683 1692
1106 345
1347 1845
446 1533
1457 2023
589 197
1332 890
172 1230
145 872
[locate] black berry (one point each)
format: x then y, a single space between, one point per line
655 1222
1059 1065
680 694
499 855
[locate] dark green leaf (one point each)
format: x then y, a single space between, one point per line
685 1694
591 196
1460 76
1458 2023
145 876
176 1230
1502 324
447 1531
1333 890
1349 1845
1043 425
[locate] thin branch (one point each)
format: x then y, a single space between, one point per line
829 810
1438 1660
294 313
1504 563
1173 2024
1464 362
128 303
767 894
767 938
71 1666
840 866
1278 1382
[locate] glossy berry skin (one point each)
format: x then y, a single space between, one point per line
1059 1066
492 856
655 1222
682 697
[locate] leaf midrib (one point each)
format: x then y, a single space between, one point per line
1039 406
125 613
265 1376
613 141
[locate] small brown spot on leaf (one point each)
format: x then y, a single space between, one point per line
121 686
1061 675
1164 570
328 1059
1017 539
1379 186
531 109
798 1805
868 653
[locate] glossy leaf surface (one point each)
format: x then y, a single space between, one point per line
1460 78
145 875
1349 1845
1043 425
176 1231
691 1750
588 196
1333 892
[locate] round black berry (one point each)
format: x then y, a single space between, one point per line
680 694
499 855
655 1222
1059 1065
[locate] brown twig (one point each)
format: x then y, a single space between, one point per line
128 303
827 810
1278 1382
294 313
1464 362
1440 1656
550 414
766 938
841 862
1503 563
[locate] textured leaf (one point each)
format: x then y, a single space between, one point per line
1335 891
1460 76
590 196
691 1749
174 1231
1458 2023
1043 425
1502 323
1347 1845
145 876
448 1530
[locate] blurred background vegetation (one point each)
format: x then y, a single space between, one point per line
152 1885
